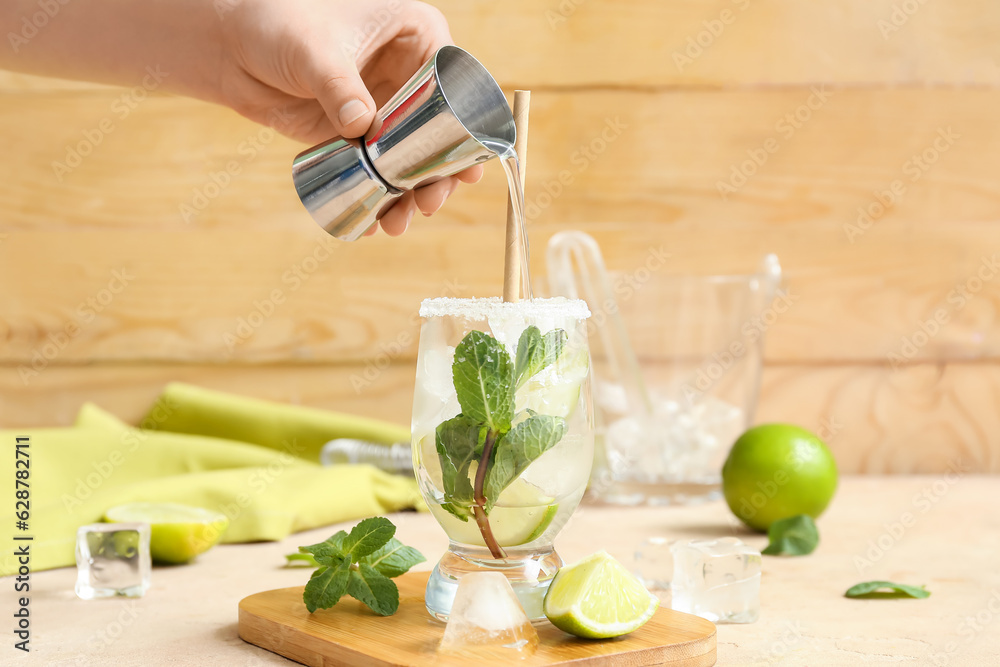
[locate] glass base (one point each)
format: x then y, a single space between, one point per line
529 574
659 493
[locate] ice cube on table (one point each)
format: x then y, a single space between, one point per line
654 563
486 615
717 579
112 559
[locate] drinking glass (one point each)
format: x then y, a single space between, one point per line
699 344
502 437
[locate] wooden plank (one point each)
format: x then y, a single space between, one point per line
273 296
349 634
19 83
917 419
771 42
680 157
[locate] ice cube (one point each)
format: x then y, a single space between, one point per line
673 443
486 616
112 559
654 563
435 399
717 579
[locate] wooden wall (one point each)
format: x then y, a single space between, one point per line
109 287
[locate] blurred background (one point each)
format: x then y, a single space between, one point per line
147 238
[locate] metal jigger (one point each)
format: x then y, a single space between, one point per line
430 129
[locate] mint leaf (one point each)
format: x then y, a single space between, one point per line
870 590
536 352
368 536
369 556
794 536
375 590
483 377
393 559
326 586
300 560
329 551
518 448
459 441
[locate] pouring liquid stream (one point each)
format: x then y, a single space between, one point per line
508 158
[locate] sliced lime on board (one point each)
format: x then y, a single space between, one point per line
598 598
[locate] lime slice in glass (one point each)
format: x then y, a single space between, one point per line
556 390
178 533
598 598
512 526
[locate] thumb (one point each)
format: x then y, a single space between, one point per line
338 87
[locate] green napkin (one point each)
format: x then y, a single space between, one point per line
268 492
183 408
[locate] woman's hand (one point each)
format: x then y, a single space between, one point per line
329 65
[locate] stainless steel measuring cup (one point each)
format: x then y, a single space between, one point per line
430 129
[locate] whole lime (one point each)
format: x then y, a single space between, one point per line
776 471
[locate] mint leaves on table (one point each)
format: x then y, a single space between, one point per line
794 536
487 433
872 590
360 564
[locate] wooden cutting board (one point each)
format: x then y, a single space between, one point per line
350 634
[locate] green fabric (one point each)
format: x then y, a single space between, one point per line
268 492
183 408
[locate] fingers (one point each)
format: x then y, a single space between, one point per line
431 197
397 219
471 175
428 200
337 85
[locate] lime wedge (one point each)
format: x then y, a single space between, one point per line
178 533
598 598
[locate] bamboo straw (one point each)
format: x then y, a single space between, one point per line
512 250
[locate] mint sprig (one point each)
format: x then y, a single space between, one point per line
360 564
487 432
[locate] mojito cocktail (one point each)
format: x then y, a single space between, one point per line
502 436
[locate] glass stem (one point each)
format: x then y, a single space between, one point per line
479 509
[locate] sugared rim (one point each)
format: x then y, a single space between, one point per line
484 308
